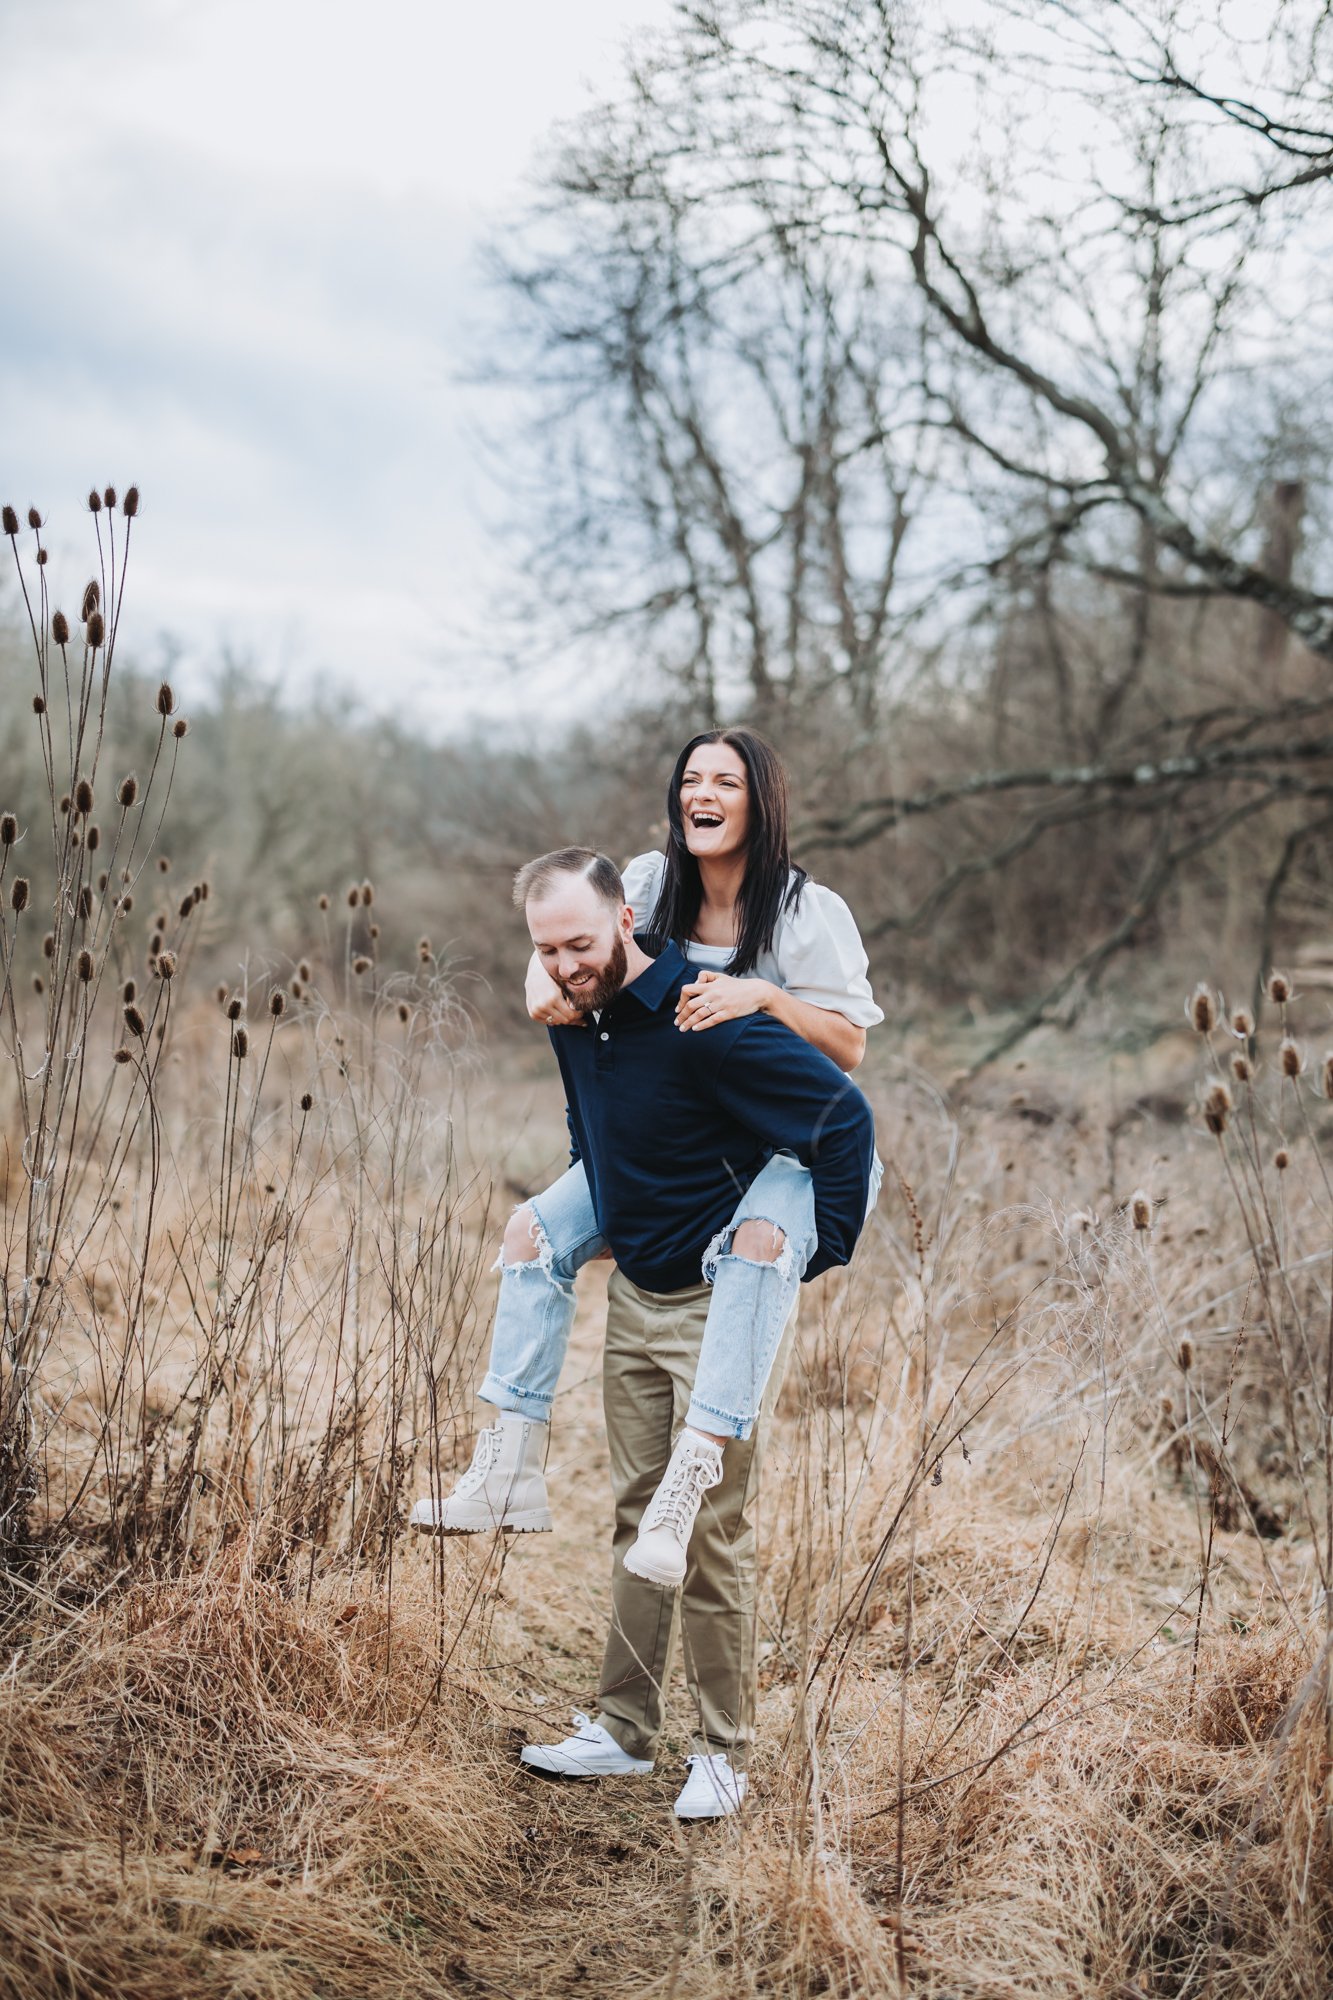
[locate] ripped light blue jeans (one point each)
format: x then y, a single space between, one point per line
750 1304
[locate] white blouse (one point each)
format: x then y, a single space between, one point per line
817 953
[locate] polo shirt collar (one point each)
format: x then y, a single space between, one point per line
657 980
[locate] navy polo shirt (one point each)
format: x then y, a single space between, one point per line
673 1127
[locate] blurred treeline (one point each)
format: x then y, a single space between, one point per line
277 805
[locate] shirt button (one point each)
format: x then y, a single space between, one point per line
605 1036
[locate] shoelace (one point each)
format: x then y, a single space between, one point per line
483 1458
678 1497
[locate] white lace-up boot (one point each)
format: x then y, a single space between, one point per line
592 1752
659 1552
504 1487
712 1789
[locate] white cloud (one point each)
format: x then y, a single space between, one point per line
240 272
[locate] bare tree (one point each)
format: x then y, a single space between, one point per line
891 353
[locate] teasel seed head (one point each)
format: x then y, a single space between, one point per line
240 1044
94 502
1202 1009
9 829
49 945
166 965
298 991
84 965
96 631
186 905
83 798
1282 1159
1241 1069
1242 1023
1279 988
122 1055
166 700
203 890
134 1020
92 598
20 892
41 558
306 1100
323 903
1292 1057
34 519
60 628
303 971
180 727
1185 1356
220 995
404 1011
125 904
127 791
103 879
353 896
1140 1209
38 983
9 520
64 802
234 1009
94 839
164 864
361 963
76 838
1217 1109
367 893
277 1003
374 930
38 705
130 504
155 944
109 497
129 991
86 901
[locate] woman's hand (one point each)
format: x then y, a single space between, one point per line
546 1003
720 996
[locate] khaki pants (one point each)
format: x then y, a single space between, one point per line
652 1346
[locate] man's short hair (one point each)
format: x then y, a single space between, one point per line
537 878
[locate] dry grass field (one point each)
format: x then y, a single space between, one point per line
1046 1604
1044 1652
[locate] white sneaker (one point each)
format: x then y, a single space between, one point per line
668 1520
712 1789
504 1487
592 1753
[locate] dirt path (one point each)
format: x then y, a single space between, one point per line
603 1889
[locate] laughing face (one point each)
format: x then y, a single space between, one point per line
580 939
715 803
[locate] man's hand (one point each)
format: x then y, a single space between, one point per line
720 996
546 1003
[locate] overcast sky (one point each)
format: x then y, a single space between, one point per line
237 240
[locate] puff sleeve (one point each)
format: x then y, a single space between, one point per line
642 878
820 957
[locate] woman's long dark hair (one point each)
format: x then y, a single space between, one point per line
770 885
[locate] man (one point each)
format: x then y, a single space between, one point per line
670 1127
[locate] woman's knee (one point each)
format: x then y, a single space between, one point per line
761 1242
522 1237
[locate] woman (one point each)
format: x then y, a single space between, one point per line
765 938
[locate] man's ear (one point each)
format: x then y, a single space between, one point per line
626 921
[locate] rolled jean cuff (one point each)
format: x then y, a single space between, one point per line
522 1402
717 1423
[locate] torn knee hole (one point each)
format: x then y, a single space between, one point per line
525 1241
761 1242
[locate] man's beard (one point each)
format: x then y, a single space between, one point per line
605 987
